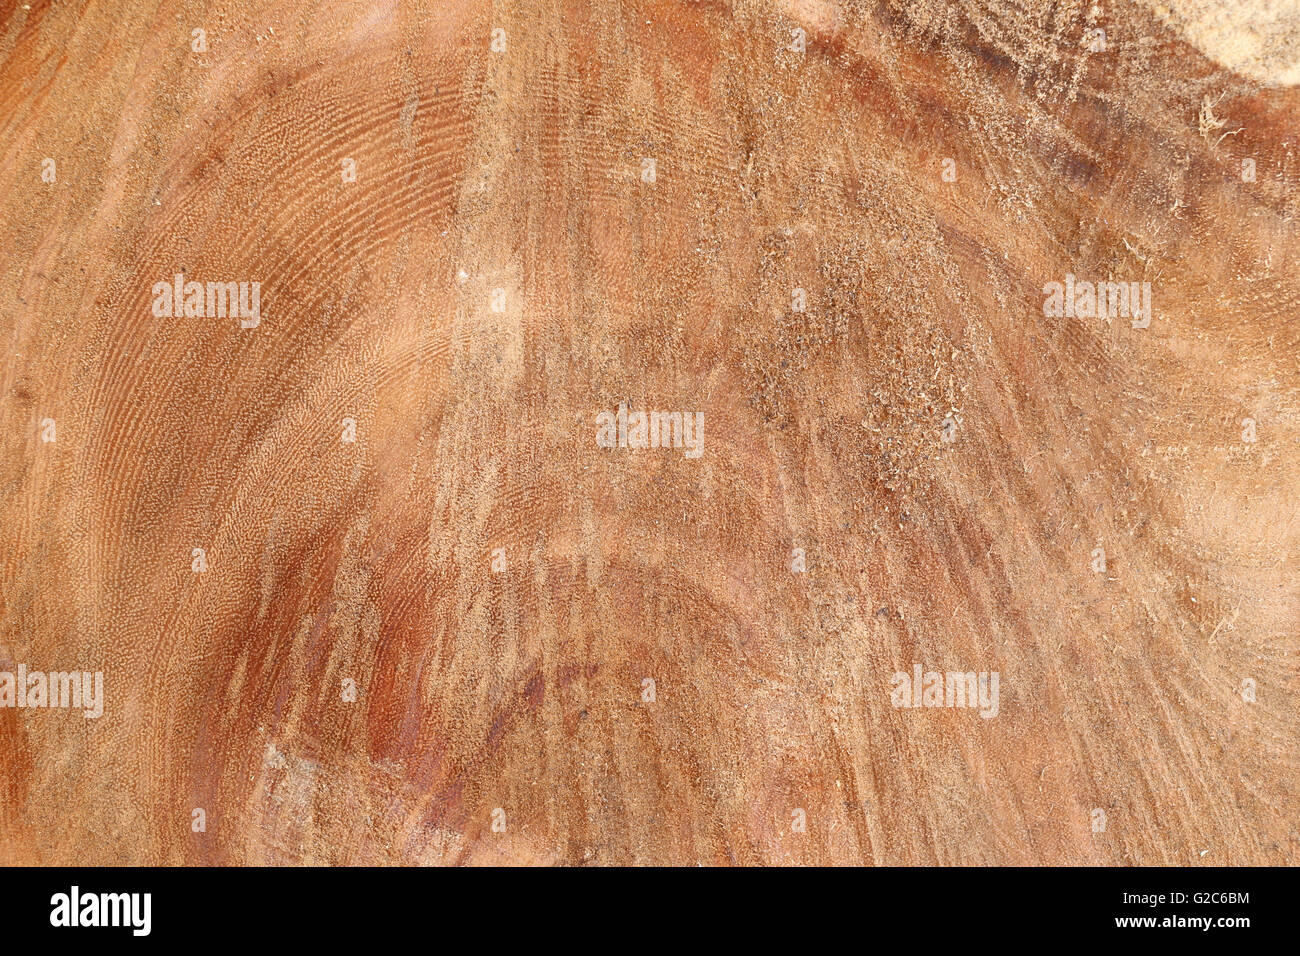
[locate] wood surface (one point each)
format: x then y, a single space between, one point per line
946 456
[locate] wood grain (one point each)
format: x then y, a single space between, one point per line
521 689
